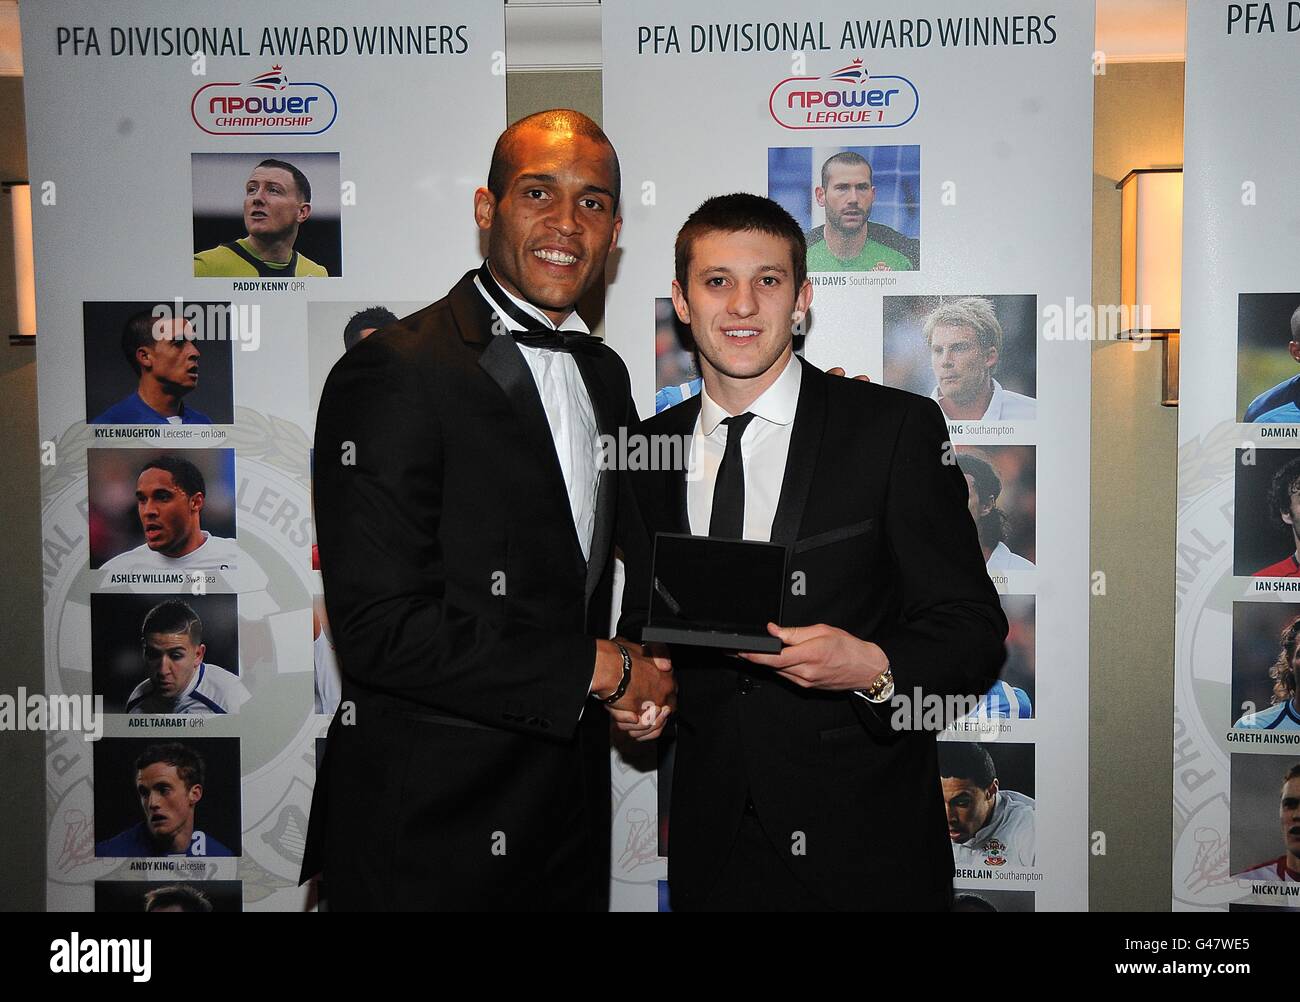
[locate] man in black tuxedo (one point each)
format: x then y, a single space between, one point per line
796 786
466 538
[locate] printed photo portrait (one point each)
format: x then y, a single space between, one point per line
975 355
160 362
677 376
166 797
1268 357
860 206
261 215
335 328
1266 528
325 663
1265 666
169 896
1012 696
1000 485
162 510
988 793
1265 802
162 654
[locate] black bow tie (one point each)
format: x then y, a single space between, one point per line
535 334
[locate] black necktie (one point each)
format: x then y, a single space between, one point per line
535 334
728 516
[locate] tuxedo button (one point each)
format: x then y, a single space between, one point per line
744 685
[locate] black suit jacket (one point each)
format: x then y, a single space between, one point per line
882 545
463 614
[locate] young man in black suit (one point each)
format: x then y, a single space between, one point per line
466 539
796 785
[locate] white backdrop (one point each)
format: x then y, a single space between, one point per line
110 141
999 101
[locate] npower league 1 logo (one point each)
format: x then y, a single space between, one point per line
849 98
269 104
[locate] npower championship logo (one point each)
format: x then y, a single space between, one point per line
269 104
849 98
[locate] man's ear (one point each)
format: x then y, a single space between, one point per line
196 501
820 192
194 794
202 650
992 359
304 212
804 299
618 228
485 208
680 305
1286 517
144 358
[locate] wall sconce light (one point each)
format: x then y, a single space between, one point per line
1151 264
19 195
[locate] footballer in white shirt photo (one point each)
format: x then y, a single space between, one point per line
162 511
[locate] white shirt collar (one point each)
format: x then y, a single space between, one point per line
572 322
777 404
194 683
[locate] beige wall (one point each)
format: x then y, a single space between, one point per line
22 789
1138 122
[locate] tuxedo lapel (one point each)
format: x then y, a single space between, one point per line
502 360
801 462
606 424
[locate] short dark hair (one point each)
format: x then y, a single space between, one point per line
371 316
988 487
1285 480
187 762
740 212
1295 324
1292 773
849 159
173 616
299 178
551 120
186 474
967 760
137 332
190 899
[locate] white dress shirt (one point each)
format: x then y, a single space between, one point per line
763 449
568 411
1004 405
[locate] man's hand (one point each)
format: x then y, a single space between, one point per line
823 657
651 694
839 371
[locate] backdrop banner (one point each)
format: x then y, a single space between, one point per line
939 163
1236 831
218 191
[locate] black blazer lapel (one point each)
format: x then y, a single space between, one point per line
684 417
606 424
805 443
502 360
